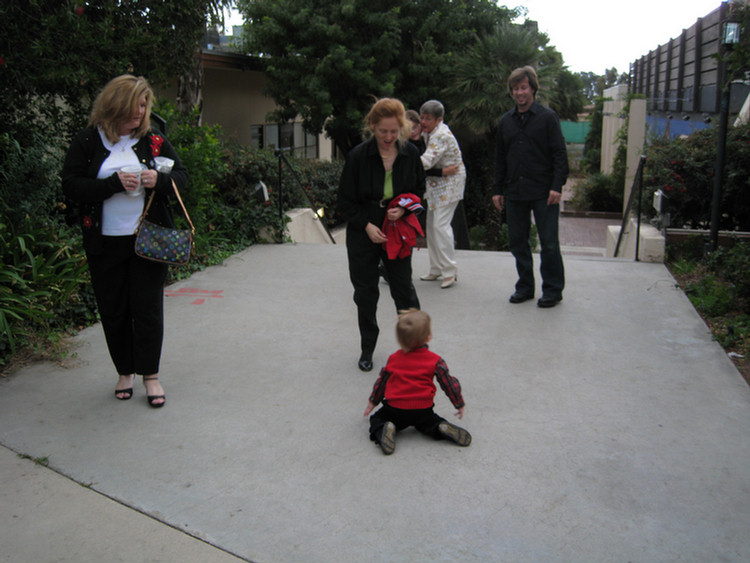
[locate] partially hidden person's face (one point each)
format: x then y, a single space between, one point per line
429 122
523 95
386 132
136 118
416 131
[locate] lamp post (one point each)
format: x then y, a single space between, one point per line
730 35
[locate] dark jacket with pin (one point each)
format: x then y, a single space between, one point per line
86 193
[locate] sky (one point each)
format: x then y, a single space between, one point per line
596 35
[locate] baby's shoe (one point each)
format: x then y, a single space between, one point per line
455 433
387 439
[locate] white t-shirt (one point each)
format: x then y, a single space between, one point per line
120 212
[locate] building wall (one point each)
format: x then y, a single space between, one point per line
233 98
612 122
681 78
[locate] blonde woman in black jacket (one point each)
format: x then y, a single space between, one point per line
129 290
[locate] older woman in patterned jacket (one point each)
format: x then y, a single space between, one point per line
442 193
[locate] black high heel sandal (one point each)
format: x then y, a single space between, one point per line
153 398
128 393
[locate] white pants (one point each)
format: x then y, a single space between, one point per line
440 243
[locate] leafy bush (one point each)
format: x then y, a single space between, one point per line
321 182
302 181
598 192
684 170
718 288
691 250
29 181
592 148
484 222
733 263
710 295
492 237
42 285
201 153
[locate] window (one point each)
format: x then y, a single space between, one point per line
290 136
271 136
256 136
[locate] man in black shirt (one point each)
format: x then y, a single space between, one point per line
531 167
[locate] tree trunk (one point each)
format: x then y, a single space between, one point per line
189 90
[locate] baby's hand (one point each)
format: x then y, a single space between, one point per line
460 413
369 408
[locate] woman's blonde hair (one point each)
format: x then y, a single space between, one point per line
413 329
388 107
116 104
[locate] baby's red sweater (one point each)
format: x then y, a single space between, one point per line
408 380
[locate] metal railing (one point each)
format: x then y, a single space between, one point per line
636 190
283 161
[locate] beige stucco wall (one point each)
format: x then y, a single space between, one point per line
234 100
636 142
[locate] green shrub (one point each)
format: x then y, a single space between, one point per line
42 285
598 192
710 296
733 264
692 249
477 202
733 332
29 178
592 148
321 182
683 169
492 237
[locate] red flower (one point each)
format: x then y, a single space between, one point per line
78 10
156 142
87 222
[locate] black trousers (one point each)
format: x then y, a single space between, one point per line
364 258
130 295
425 421
546 218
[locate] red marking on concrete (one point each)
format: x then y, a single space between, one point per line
192 292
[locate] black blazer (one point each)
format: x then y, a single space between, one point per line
86 193
361 186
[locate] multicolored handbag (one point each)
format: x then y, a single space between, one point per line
164 244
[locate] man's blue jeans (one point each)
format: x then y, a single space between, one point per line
518 213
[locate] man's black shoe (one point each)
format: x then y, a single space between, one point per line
547 302
518 297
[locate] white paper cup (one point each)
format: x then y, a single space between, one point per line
135 169
163 164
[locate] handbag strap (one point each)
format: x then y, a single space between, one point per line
182 205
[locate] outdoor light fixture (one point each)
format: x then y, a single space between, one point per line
731 33
730 36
